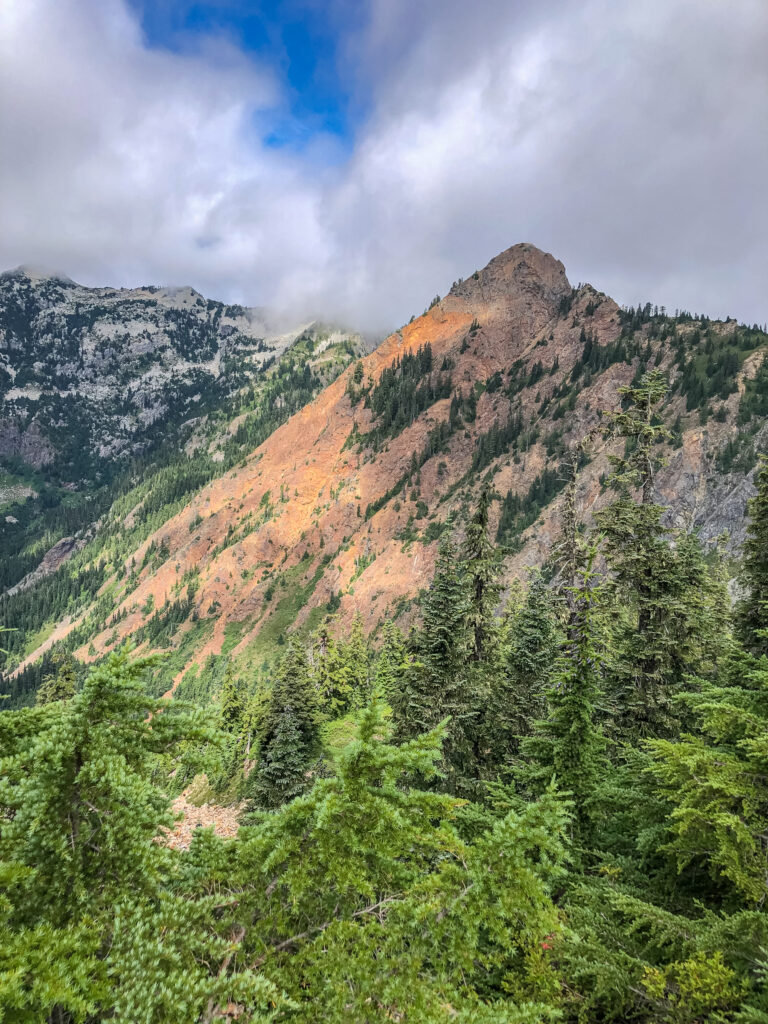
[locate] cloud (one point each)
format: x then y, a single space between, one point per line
627 139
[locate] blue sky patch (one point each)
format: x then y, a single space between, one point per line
297 39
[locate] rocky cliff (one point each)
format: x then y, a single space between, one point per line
90 377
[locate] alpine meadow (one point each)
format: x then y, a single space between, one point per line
352 675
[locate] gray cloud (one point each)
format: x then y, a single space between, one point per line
628 139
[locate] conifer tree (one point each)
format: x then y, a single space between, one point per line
60 684
333 674
518 690
355 654
441 647
716 779
482 568
568 745
82 871
363 904
436 684
656 590
290 734
390 663
232 703
569 552
752 609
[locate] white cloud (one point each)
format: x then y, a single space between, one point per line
629 139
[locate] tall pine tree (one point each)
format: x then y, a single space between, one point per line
752 609
482 568
519 688
290 734
568 744
657 586
437 683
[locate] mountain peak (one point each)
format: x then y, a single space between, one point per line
37 274
522 270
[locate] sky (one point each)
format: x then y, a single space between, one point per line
351 158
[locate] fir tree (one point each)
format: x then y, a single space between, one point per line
355 655
436 685
390 663
232 703
333 674
60 684
518 690
82 870
482 568
568 745
360 901
657 587
290 734
716 779
752 609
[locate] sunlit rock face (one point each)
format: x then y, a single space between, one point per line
334 510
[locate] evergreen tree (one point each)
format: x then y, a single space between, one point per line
657 587
232 703
355 655
88 930
59 685
390 664
440 648
482 568
519 689
752 609
569 552
361 903
568 745
716 779
333 674
290 734
436 685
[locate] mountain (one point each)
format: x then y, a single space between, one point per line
91 377
102 386
340 508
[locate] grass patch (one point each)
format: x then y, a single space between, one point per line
161 678
295 593
34 640
234 633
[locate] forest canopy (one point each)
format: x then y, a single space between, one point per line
545 805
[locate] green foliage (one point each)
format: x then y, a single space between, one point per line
483 571
528 654
60 684
559 815
752 609
716 781
519 511
81 873
371 907
289 737
665 594
403 391
567 747
434 688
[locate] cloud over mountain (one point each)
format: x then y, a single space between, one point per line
629 139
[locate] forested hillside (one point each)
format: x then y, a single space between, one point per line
229 547
103 387
546 807
53 565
